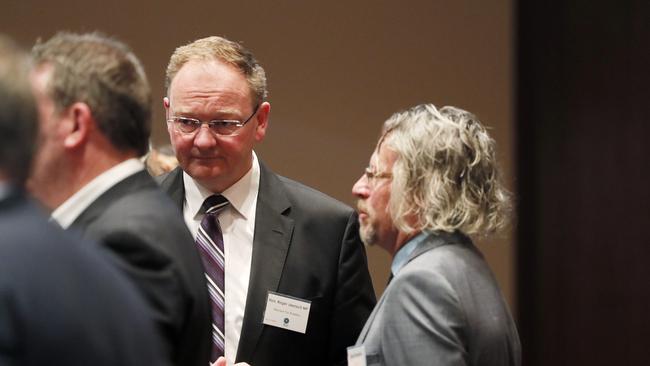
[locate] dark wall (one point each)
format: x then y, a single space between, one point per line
583 167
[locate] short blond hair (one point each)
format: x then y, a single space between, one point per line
106 75
222 49
446 175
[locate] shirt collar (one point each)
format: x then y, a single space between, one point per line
68 212
242 195
404 253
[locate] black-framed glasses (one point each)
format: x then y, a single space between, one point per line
221 127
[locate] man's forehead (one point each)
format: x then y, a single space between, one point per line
206 69
382 156
198 80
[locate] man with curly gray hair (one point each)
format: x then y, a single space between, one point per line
433 180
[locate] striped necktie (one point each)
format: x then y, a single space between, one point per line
210 244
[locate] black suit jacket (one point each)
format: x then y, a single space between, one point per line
305 245
139 224
62 303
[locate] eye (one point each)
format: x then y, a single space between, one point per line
225 127
187 122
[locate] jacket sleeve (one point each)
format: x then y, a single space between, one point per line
355 296
423 322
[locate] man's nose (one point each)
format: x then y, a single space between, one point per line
204 137
360 188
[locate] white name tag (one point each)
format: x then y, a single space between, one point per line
357 355
286 312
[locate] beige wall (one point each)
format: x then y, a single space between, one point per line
336 70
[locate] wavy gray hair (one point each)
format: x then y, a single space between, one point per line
445 175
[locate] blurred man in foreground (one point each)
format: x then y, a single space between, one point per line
61 302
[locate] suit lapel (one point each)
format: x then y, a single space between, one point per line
273 232
371 319
172 184
432 241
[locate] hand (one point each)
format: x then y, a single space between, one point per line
221 361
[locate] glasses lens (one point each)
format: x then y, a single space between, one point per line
186 125
224 128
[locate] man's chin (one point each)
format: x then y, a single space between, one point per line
367 237
200 171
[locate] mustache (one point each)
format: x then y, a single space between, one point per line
361 207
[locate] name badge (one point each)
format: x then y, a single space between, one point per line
286 312
357 355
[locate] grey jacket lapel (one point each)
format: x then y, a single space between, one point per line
273 232
371 319
433 240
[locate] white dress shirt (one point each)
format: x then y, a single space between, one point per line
67 212
237 223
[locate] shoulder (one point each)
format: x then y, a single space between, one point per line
308 200
140 213
138 197
435 271
33 268
26 232
447 255
170 179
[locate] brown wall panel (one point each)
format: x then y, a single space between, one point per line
336 70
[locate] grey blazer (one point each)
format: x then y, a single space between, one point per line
442 308
305 245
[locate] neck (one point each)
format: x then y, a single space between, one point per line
80 168
401 240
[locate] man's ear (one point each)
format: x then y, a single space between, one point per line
262 118
166 104
80 123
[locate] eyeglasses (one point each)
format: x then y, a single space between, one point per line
372 176
221 127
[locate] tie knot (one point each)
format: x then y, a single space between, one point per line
214 203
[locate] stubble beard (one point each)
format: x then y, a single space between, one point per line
368 234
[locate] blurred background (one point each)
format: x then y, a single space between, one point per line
563 86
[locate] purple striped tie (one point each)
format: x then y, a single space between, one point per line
210 244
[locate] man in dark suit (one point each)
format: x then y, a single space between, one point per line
433 180
95 105
61 302
284 244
